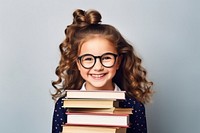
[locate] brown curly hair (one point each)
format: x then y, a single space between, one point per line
131 76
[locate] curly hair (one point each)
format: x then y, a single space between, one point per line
131 76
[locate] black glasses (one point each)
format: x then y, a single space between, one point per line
107 60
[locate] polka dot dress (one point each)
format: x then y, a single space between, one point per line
138 119
59 117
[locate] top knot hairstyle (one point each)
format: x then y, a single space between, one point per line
130 76
89 17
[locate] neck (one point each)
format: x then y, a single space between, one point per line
89 87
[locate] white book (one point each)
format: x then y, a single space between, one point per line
92 129
100 94
98 119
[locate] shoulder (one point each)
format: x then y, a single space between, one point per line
59 104
59 111
59 101
59 116
131 103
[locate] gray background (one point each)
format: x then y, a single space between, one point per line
165 34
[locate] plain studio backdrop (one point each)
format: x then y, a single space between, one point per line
165 34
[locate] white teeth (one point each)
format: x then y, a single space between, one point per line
97 75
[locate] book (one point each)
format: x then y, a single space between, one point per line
98 119
95 112
100 94
90 103
113 110
70 128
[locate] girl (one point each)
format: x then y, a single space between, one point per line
95 56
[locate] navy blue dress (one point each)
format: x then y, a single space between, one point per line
138 119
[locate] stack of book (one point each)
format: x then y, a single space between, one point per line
95 112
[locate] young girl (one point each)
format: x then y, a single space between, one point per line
95 56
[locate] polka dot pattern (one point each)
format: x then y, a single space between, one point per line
59 117
138 119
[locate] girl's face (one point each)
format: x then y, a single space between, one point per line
96 75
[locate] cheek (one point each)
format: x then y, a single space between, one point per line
118 63
113 70
83 72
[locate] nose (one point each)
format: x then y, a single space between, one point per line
98 66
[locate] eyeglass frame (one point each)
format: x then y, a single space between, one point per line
95 59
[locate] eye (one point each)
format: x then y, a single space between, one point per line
87 58
107 57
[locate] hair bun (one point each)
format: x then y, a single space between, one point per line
79 16
86 17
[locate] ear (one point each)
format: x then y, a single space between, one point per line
119 60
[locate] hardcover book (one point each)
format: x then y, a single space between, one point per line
106 94
90 103
70 128
98 119
101 110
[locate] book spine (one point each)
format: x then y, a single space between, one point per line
96 94
97 114
98 125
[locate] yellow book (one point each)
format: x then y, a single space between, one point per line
112 110
90 103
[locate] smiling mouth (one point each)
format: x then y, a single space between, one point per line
97 75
